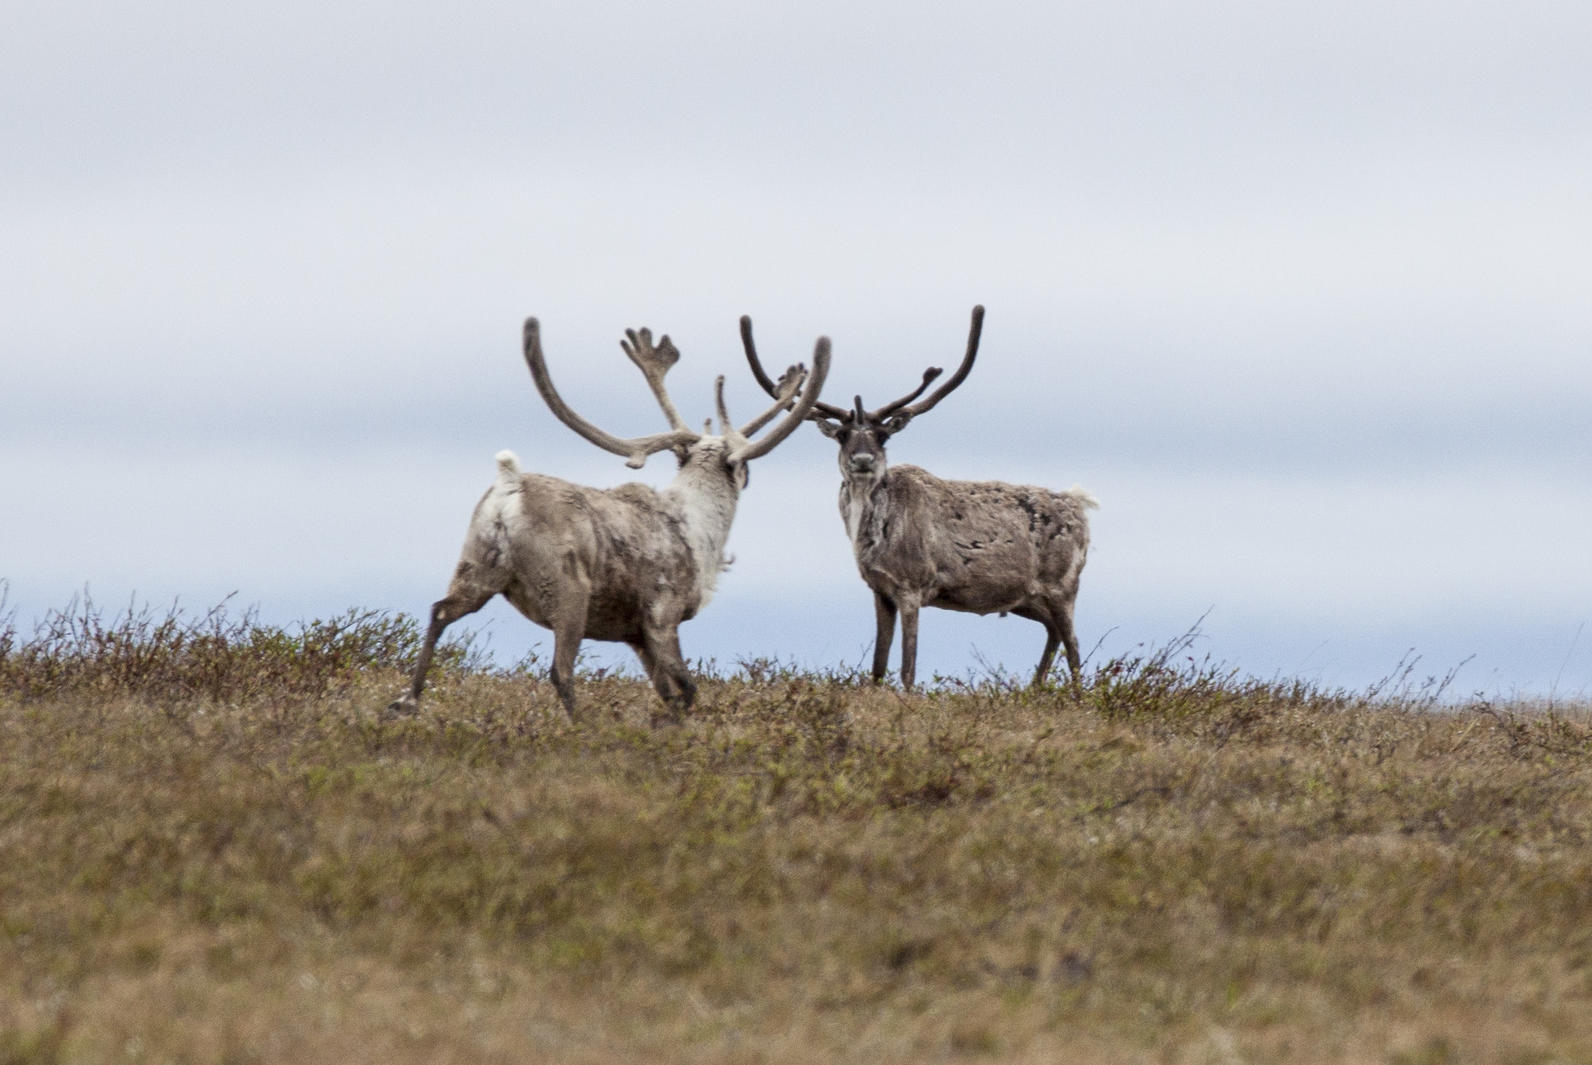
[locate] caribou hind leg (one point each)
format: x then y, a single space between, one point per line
1070 639
669 674
467 593
1057 619
569 628
1053 638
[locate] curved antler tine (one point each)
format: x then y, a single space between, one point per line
819 410
890 408
635 451
809 385
718 402
751 357
975 330
790 383
654 362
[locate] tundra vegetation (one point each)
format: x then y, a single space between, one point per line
212 849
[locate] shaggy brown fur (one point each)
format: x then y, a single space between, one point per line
978 546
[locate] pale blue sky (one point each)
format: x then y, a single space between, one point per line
1300 292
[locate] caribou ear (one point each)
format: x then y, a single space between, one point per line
829 428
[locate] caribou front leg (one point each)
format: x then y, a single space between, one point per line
884 610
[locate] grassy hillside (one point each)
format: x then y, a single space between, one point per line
212 849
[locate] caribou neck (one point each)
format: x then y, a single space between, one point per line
705 496
864 504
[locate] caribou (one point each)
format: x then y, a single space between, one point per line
625 564
984 547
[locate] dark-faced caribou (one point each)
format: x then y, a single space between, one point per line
627 564
984 547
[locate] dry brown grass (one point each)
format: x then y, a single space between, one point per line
1171 865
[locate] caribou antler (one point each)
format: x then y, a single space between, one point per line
825 410
890 408
654 363
973 333
899 408
791 383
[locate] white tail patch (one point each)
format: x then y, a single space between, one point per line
1089 502
508 464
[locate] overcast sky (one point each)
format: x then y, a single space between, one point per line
1300 292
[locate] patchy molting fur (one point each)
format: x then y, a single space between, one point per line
983 547
646 555
625 564
995 547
